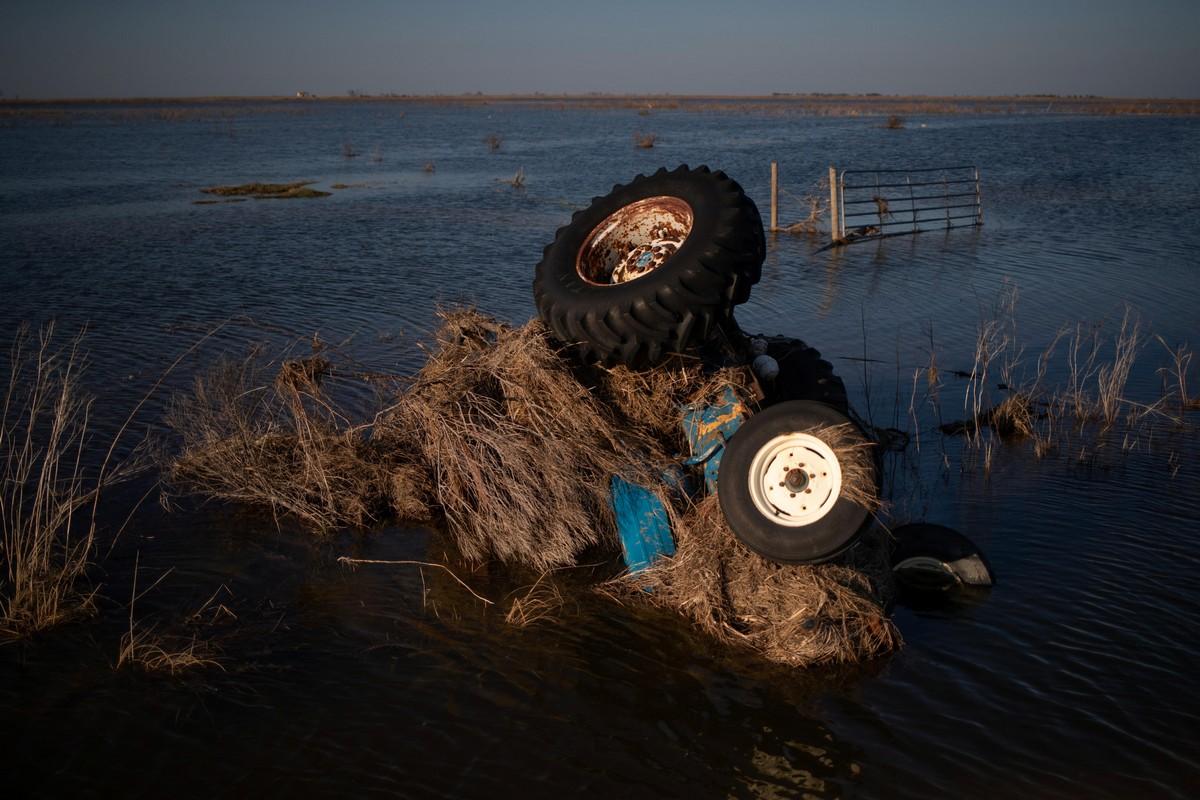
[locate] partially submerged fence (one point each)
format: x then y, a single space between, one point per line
873 203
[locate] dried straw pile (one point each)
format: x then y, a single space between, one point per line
517 447
282 445
520 451
796 615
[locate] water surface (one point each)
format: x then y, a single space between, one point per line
1072 679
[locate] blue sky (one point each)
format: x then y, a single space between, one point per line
87 49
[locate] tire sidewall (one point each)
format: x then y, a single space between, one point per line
819 541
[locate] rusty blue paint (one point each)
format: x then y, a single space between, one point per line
708 428
642 524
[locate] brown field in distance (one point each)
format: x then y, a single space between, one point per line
179 108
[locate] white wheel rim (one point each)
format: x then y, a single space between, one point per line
795 479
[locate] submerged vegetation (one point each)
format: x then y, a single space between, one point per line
268 191
512 447
1009 400
274 440
515 446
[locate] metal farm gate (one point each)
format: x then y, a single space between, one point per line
873 203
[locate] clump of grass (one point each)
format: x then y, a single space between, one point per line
279 442
493 142
521 452
1175 376
520 445
46 541
537 602
144 647
44 546
517 181
268 191
818 206
1112 377
650 400
645 140
796 615
1089 404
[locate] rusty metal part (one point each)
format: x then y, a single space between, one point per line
634 240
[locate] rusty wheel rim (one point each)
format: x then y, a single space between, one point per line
634 241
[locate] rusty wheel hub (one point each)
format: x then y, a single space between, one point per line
634 241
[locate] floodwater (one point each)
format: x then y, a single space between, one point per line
1073 678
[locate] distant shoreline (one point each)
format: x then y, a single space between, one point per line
816 104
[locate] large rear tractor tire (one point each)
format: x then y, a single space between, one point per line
652 267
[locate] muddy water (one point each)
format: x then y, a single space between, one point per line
1073 678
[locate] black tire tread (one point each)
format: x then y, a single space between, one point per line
638 329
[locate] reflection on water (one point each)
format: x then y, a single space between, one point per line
1071 679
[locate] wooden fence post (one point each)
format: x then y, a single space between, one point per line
833 204
774 197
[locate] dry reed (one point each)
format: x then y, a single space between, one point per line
537 602
1088 403
144 647
153 652
44 547
1175 375
283 445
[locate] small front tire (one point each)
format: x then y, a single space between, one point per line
781 484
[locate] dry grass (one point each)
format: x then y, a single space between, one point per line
1111 377
796 615
268 191
537 602
651 401
856 459
817 202
521 452
45 542
645 140
1080 413
520 446
517 181
144 647
1175 376
280 443
153 652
